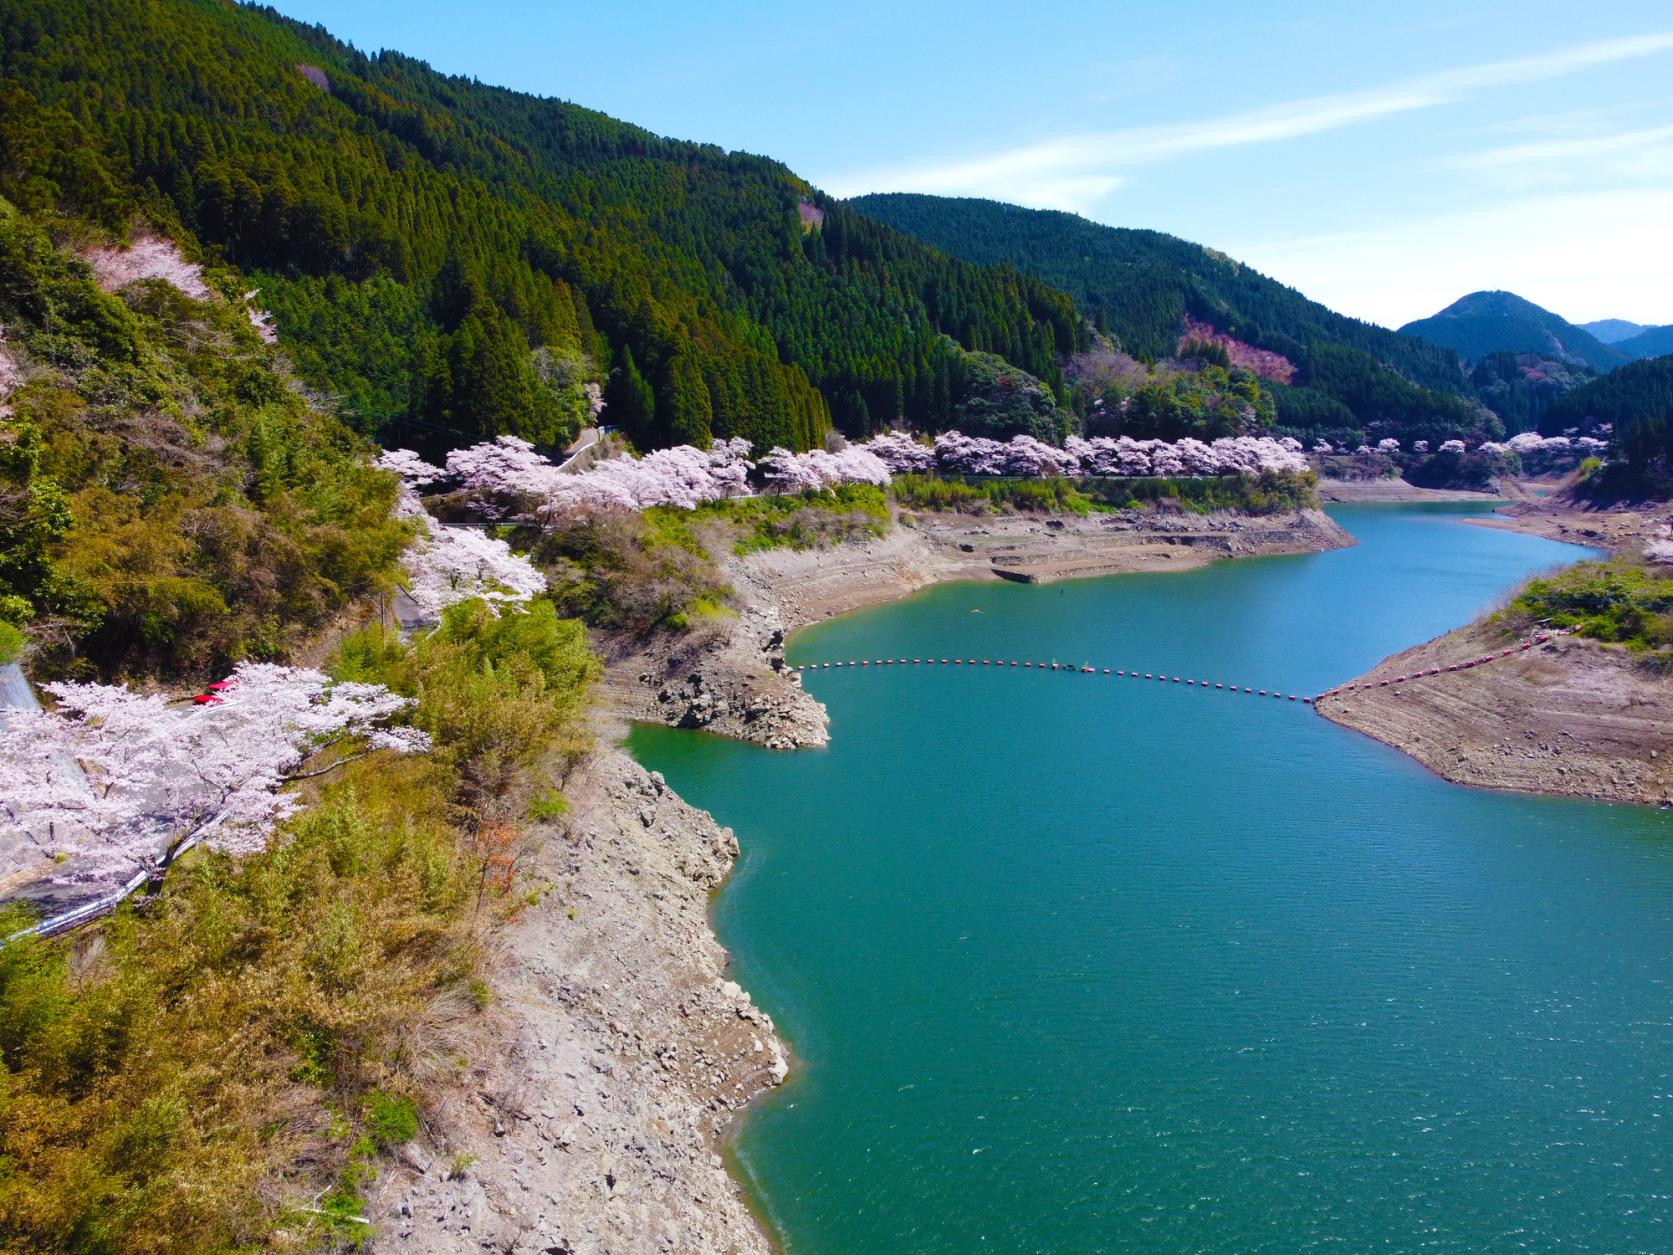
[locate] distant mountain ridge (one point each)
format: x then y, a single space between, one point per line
1612 330
1482 323
1650 342
1146 290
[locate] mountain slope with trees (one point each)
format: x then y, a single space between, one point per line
1637 400
1140 287
1647 342
441 252
1502 322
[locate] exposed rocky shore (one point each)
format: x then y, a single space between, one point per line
614 1054
730 678
1573 717
1570 717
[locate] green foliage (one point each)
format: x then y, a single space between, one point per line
627 572
978 496
995 400
1623 600
1269 493
1520 387
499 695
1637 399
1138 287
465 228
167 502
1167 403
11 643
390 1120
808 520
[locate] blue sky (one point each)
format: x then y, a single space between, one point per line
1382 158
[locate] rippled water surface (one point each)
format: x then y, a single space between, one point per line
1073 963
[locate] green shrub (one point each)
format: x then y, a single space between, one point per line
390 1120
11 643
1622 600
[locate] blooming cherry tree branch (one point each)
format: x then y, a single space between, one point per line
160 778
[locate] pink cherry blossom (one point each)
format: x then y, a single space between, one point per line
158 778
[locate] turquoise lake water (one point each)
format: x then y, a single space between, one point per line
1076 963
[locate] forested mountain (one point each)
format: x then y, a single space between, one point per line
471 258
1637 399
1649 342
1612 330
1139 287
1502 322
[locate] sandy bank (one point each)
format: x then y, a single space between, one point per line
613 1056
730 677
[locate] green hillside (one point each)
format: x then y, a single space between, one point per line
1139 286
1637 399
439 251
1502 322
1647 342
168 502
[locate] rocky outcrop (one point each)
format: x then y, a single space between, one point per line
614 1054
728 678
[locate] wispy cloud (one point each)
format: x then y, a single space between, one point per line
1075 172
1589 149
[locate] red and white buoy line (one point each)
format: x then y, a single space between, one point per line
1395 680
1156 677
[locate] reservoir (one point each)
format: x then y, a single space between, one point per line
1077 963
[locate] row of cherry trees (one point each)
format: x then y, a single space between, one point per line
1526 444
501 476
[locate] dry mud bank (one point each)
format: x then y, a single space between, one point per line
730 679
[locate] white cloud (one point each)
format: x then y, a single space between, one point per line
1586 255
1644 153
1078 171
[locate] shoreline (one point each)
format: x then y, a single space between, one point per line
730 678
1573 718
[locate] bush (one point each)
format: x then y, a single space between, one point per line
1264 494
628 572
807 520
155 1089
978 496
11 643
1622 600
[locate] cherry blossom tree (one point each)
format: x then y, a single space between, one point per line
1388 445
409 466
446 565
158 778
901 453
786 472
1451 446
